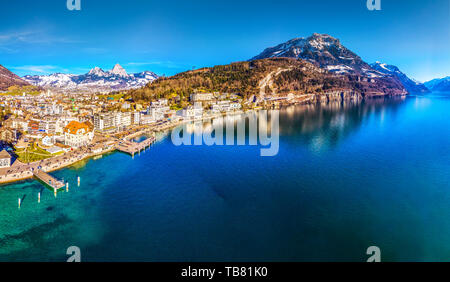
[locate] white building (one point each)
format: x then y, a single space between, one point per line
199 97
77 134
104 121
225 106
136 117
191 112
48 141
198 110
111 121
146 119
123 120
126 106
5 159
20 124
158 109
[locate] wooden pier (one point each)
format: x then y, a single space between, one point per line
49 180
132 148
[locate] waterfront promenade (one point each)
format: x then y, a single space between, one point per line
21 171
132 148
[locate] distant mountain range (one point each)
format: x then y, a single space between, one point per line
318 65
95 80
411 85
439 84
323 51
8 79
328 53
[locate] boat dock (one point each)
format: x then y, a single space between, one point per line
132 148
49 180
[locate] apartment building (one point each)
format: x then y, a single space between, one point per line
77 134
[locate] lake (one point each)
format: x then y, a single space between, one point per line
347 176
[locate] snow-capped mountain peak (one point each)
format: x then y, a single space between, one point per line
119 70
321 49
56 80
323 41
97 71
328 53
95 80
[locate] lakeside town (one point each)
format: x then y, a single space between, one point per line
49 131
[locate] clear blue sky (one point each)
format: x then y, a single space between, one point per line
167 37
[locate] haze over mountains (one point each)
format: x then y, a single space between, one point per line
439 84
95 80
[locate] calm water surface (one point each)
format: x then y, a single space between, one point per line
347 176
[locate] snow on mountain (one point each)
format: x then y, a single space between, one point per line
95 80
439 84
57 80
410 85
98 72
118 70
321 49
329 54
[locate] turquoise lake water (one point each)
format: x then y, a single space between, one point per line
347 176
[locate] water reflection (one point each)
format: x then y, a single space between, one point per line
318 126
324 126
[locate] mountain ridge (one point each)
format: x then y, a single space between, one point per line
269 78
328 53
321 49
95 80
411 85
439 84
318 66
8 79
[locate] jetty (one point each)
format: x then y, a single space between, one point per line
49 180
132 148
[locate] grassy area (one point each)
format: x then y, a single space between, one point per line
33 154
19 90
176 107
115 97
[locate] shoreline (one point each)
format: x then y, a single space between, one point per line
168 125
62 166
73 160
